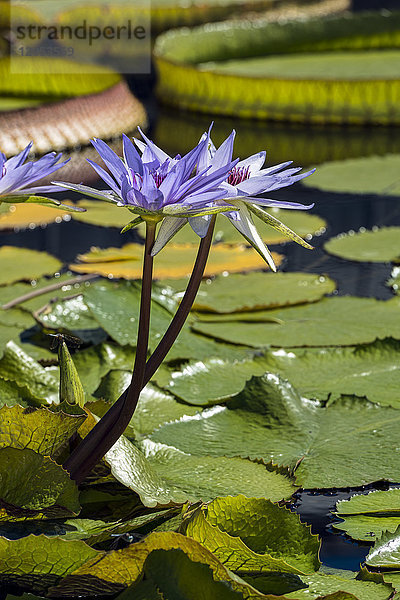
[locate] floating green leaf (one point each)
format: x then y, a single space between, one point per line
321 584
381 245
119 569
20 263
46 488
36 561
41 430
95 362
366 517
386 551
369 370
20 368
341 321
371 175
252 534
102 214
256 291
269 421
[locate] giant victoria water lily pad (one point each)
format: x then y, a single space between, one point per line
269 421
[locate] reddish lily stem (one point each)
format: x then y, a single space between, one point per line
91 449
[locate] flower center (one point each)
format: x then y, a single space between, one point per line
158 178
238 174
4 171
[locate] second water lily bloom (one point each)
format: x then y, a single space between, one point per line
17 177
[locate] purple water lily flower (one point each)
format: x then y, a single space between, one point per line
247 179
17 177
155 186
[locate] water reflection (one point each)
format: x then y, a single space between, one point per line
178 131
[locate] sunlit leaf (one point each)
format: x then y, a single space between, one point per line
340 321
19 367
252 534
382 245
30 216
32 485
269 421
119 569
386 551
41 430
102 214
21 264
370 371
256 291
326 586
36 562
176 260
366 517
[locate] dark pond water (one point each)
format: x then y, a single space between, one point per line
177 132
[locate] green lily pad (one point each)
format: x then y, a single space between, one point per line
203 477
47 489
20 368
41 430
394 280
35 562
321 584
102 214
252 534
340 321
165 476
256 291
385 553
68 286
370 371
371 175
211 381
20 263
95 362
269 421
381 245
366 517
108 303
118 569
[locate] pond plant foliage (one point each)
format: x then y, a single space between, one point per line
176 481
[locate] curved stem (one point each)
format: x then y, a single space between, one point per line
110 422
104 435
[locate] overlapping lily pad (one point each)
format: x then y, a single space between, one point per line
366 517
269 421
102 214
249 534
18 264
380 245
176 260
256 291
370 371
340 321
385 553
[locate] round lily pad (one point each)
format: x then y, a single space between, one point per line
370 175
102 214
255 291
18 264
380 245
30 216
175 261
